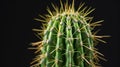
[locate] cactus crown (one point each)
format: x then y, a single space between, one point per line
67 40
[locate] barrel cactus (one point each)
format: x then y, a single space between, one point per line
67 38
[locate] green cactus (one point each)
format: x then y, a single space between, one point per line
67 38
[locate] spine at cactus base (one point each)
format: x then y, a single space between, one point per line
67 39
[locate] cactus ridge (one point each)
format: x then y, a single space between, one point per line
67 40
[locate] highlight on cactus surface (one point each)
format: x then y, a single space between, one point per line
67 38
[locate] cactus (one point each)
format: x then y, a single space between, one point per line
67 39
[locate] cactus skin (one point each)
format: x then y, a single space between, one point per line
67 40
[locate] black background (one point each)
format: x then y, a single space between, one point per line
18 19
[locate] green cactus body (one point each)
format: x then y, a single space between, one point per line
67 40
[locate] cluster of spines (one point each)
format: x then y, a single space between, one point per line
68 40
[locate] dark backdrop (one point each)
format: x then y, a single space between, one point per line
19 20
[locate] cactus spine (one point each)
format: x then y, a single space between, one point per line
67 40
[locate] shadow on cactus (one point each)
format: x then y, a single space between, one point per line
67 39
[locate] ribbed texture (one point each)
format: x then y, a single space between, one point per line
68 42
